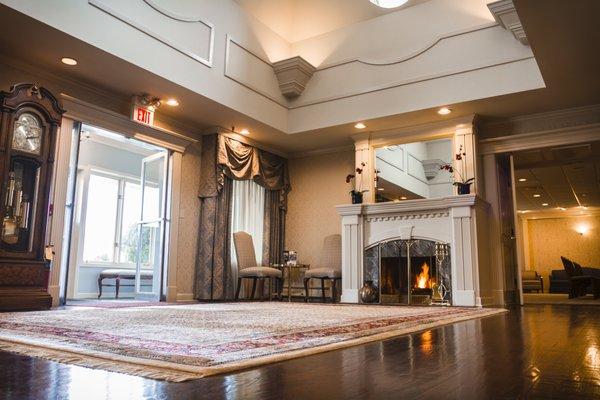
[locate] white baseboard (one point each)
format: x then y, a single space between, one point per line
463 298
185 297
349 296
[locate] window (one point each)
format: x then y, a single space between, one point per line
112 212
247 214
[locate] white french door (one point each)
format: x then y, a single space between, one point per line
151 227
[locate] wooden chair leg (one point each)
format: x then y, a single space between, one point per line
262 288
117 287
323 290
237 290
279 287
306 289
333 290
271 280
253 288
100 287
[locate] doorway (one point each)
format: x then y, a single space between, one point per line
557 192
117 212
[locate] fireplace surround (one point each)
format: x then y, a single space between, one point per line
461 223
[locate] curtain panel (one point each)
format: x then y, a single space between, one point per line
225 159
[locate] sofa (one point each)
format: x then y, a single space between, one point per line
559 280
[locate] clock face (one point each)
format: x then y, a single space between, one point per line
27 135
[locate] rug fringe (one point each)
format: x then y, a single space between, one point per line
98 363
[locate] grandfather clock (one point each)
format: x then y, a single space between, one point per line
29 119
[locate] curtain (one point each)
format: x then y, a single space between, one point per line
247 215
224 160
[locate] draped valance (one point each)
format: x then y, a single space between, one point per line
223 156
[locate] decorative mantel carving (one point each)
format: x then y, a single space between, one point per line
505 14
293 74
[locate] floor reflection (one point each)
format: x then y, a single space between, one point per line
531 352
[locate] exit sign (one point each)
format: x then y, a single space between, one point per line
143 115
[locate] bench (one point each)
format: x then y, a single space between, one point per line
122 274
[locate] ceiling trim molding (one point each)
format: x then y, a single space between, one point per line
505 14
207 61
557 128
556 214
368 90
412 55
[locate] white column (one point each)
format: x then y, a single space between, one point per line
462 257
352 252
364 154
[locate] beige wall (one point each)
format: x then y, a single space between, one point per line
551 238
318 184
189 214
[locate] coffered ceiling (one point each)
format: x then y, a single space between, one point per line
561 177
295 20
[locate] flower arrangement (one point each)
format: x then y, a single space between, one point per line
357 192
464 186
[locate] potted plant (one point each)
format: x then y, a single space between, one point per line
463 186
356 178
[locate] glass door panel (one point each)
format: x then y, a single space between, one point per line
151 227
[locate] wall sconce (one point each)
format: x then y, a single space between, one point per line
582 229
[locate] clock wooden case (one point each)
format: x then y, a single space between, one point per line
29 120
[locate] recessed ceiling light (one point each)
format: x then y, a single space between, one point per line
388 3
360 125
68 61
522 180
537 195
245 131
444 111
403 198
545 204
172 102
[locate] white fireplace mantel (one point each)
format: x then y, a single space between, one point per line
461 221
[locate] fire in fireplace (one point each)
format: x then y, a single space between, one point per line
409 272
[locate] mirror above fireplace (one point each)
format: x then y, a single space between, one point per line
412 170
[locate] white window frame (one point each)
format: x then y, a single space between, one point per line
122 178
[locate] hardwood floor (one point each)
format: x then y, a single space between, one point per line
537 351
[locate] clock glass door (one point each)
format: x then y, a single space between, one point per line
21 193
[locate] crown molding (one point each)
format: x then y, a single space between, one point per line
555 128
293 74
506 15
556 214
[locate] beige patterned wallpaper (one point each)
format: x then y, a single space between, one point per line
551 238
188 217
318 184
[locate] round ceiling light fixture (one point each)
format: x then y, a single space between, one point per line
360 125
172 102
68 61
388 3
444 111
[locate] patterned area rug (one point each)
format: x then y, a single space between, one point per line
183 342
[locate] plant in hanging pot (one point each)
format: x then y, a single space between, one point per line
356 178
463 185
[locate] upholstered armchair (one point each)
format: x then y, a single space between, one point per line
329 266
531 280
248 268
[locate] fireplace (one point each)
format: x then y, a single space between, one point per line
409 271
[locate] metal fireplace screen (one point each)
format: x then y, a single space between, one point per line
409 271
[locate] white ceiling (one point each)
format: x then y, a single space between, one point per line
567 177
296 20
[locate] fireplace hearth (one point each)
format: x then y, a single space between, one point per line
409 271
